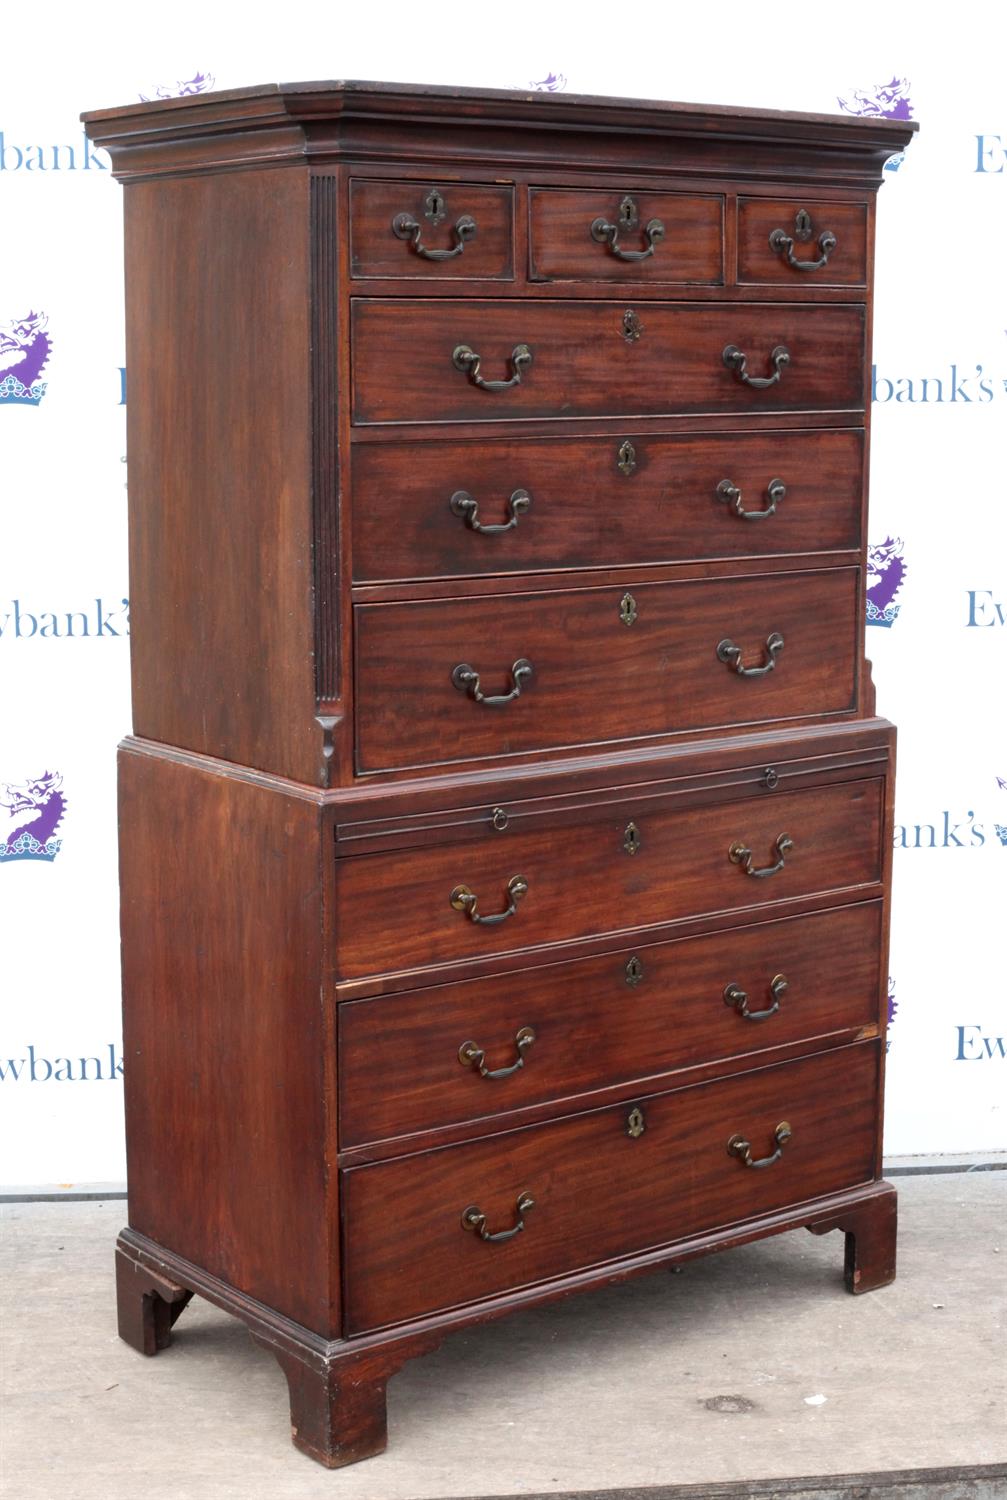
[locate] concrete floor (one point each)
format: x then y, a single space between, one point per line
704 1376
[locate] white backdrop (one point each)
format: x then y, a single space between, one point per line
939 596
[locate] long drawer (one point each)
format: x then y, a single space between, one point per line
590 358
429 510
483 1047
602 1185
613 869
592 665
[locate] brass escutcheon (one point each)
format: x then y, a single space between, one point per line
631 326
626 459
635 1125
631 839
434 206
634 972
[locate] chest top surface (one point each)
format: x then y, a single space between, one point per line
329 121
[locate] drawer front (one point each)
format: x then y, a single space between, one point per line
437 231
788 241
598 359
606 664
420 509
641 237
599 1193
595 876
601 1021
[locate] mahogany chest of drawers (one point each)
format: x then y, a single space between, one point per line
506 828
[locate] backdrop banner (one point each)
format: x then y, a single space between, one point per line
937 606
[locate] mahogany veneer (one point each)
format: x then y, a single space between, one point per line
439 396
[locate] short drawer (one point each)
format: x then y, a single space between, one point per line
513 505
616 868
789 241
446 360
586 666
435 231
484 1047
596 234
601 1185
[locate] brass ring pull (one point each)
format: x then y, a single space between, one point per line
473 1218
730 655
736 997
783 244
466 680
731 496
470 1055
739 855
739 1147
608 234
405 227
468 361
464 900
737 361
463 505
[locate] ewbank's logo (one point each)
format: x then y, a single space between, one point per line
199 83
947 830
886 572
50 156
20 624
885 101
24 353
30 814
552 83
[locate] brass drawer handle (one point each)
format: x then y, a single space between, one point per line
739 855
731 495
604 233
470 1055
737 361
473 1218
462 899
463 505
736 997
783 244
730 655
739 1147
468 361
466 680
405 227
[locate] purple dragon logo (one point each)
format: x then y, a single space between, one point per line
893 1006
199 83
552 83
886 572
886 101
33 812
24 352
